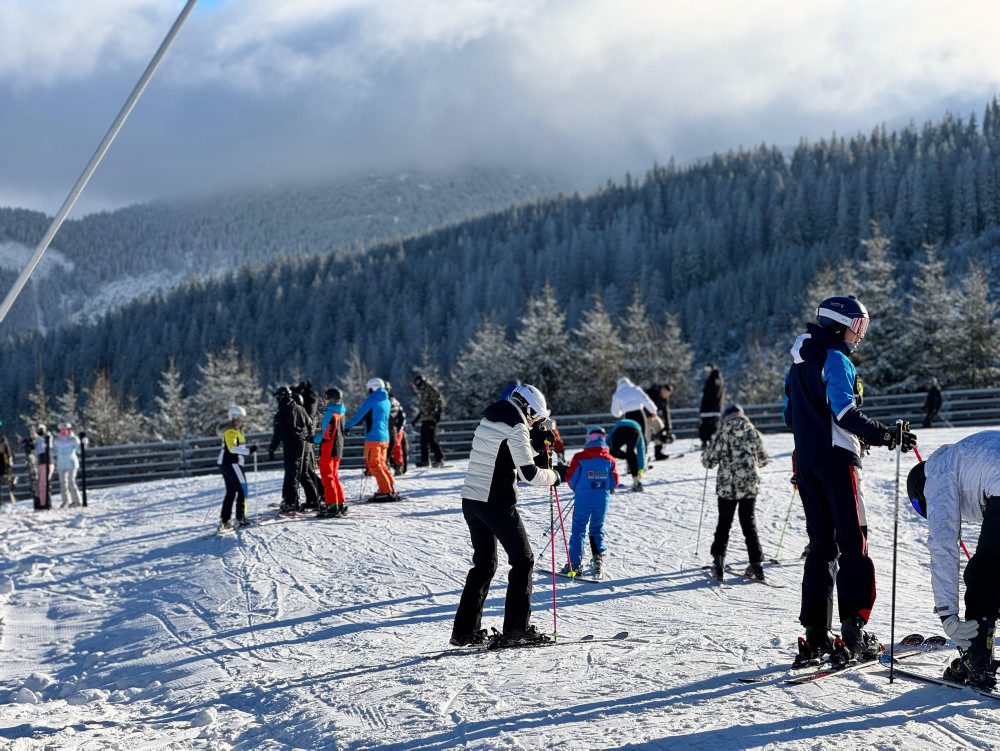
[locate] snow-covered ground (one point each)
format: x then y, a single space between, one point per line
126 625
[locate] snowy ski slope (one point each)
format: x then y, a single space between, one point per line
126 625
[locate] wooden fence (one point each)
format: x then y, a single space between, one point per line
116 465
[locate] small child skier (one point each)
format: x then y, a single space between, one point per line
592 475
330 437
738 450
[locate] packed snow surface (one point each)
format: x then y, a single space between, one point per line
128 624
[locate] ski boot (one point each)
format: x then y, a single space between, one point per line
659 455
328 511
476 639
754 572
637 485
438 464
854 644
341 509
598 565
976 666
244 522
817 642
523 637
225 526
718 567
570 569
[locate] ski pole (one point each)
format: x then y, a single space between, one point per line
781 537
563 528
900 427
701 516
552 541
256 501
566 512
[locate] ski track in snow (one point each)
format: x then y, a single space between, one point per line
131 626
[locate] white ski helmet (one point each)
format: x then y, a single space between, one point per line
375 383
531 402
65 426
235 412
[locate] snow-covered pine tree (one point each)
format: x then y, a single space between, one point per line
881 358
540 347
103 414
674 360
172 406
68 404
932 339
642 358
761 377
596 363
356 375
226 378
39 412
829 281
483 368
977 361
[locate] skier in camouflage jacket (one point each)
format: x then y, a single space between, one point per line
738 451
428 415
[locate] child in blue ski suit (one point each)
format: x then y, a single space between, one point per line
592 475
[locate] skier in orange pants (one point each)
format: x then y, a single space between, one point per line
374 410
330 437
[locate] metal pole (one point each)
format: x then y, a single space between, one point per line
95 160
701 516
83 465
895 539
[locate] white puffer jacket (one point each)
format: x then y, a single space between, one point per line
502 455
630 398
959 477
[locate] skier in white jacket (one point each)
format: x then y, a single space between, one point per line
501 455
632 402
961 483
67 447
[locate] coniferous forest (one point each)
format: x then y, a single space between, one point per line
723 260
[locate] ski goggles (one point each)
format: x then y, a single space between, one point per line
858 325
919 507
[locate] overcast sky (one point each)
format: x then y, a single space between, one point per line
257 92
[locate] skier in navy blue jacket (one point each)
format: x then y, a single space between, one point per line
823 397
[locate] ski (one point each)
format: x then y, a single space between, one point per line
915 675
621 636
575 577
765 582
909 646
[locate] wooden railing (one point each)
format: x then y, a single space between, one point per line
116 465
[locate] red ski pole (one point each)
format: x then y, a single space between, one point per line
562 527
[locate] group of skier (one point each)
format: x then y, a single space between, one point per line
299 429
823 409
45 457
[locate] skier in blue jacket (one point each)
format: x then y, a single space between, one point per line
374 410
593 475
823 399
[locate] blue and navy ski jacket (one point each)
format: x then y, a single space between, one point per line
592 474
377 406
823 397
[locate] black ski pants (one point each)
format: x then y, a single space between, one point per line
236 490
639 415
428 442
487 524
833 499
748 523
296 474
707 428
982 575
622 445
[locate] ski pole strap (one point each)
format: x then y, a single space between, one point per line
964 549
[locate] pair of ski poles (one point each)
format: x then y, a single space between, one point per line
553 508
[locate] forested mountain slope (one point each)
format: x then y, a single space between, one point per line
730 245
107 259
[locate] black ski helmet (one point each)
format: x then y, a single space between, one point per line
334 395
915 482
282 392
842 313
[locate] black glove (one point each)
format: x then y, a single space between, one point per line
671 438
909 440
558 480
561 470
253 448
270 455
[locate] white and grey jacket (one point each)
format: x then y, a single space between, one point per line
960 477
502 455
630 398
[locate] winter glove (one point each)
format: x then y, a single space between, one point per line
671 438
959 631
561 470
253 448
909 440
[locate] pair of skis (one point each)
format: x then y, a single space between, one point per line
621 636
